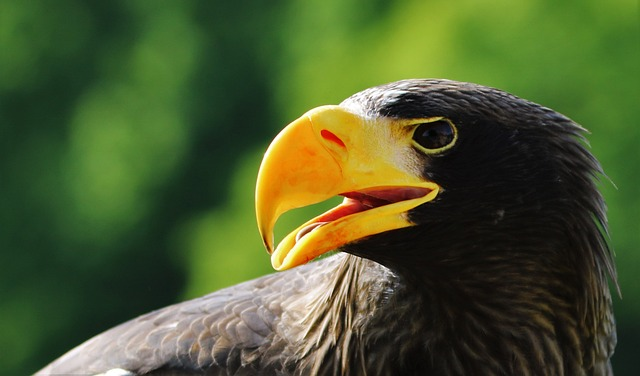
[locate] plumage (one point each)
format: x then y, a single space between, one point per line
504 270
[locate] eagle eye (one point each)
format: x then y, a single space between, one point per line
435 136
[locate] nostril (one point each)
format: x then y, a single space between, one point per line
331 137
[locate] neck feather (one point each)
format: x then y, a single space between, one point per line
484 321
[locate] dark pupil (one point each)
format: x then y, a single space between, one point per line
434 135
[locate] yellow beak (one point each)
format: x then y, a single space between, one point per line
327 152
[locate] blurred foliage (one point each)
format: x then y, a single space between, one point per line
131 133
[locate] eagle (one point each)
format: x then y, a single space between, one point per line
471 239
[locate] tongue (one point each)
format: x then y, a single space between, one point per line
307 229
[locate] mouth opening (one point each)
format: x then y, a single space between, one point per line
360 201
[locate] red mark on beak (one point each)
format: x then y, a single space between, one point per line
332 138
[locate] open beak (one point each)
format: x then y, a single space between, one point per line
327 152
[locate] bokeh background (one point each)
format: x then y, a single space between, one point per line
131 133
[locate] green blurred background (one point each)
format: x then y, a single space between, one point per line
131 133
